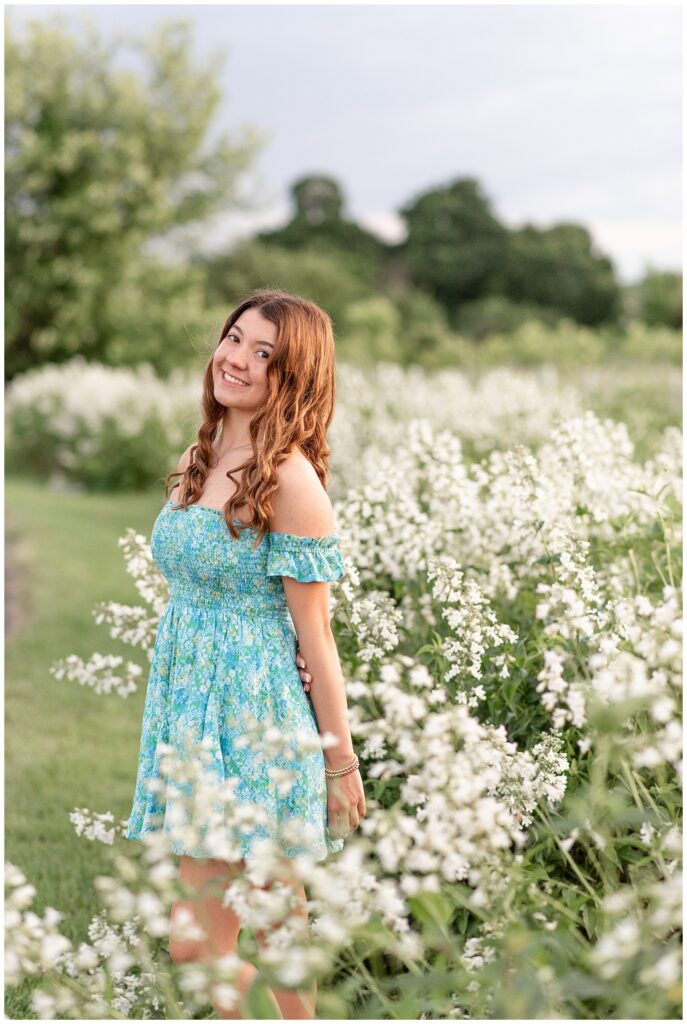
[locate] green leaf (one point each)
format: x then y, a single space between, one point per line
590 918
432 908
257 1003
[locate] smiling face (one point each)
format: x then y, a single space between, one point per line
244 353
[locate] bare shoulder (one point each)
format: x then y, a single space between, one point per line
300 504
181 468
185 458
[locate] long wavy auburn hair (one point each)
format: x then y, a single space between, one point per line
301 392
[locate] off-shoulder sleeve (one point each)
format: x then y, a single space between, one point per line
306 559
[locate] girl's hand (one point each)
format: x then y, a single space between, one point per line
345 803
306 678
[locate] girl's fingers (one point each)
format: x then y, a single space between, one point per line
305 679
338 826
345 822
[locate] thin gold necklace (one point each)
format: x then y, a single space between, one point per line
246 445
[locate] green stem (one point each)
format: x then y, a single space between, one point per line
591 853
658 569
175 1010
582 1010
635 570
80 990
667 545
629 774
561 908
388 1005
571 862
632 786
631 781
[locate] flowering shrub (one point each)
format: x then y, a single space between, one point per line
568 343
94 427
510 632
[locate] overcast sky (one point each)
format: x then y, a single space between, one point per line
563 113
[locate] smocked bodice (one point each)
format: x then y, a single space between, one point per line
205 566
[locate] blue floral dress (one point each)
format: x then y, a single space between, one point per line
225 653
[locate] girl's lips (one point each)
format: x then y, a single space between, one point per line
230 384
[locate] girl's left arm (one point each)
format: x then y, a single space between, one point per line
301 507
309 607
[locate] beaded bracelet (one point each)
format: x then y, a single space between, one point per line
336 772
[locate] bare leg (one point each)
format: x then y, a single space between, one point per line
209 877
294 1005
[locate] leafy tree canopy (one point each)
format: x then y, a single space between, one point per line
454 242
318 219
320 274
658 299
458 250
101 159
560 268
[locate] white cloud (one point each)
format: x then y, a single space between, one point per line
636 244
387 226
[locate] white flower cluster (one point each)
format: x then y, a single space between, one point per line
114 944
502 406
634 663
640 934
518 523
374 618
462 785
97 673
131 624
75 403
99 828
514 507
74 978
31 942
475 631
149 581
127 397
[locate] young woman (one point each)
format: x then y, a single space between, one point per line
246 545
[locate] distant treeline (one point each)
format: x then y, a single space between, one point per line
105 169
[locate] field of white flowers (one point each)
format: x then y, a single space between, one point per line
510 631
90 426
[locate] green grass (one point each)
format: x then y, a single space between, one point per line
65 746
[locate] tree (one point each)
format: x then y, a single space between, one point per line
318 222
659 296
321 275
455 244
99 162
560 268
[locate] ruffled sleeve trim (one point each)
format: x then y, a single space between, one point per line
306 559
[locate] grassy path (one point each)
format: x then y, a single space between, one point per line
65 746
